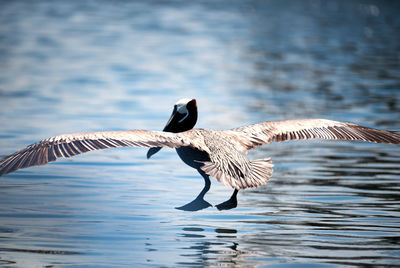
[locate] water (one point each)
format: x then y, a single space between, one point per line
111 65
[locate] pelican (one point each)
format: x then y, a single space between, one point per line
215 153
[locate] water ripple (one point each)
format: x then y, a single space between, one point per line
70 67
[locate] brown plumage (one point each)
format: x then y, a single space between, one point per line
215 153
266 132
224 147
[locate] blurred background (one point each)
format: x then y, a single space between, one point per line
72 66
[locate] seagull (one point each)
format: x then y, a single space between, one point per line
215 153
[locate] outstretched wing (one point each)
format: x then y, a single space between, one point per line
251 136
229 166
49 150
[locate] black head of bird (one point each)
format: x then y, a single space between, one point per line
183 117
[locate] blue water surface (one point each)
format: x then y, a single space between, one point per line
72 66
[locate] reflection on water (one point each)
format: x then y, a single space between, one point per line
69 67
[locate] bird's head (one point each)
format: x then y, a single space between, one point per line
183 117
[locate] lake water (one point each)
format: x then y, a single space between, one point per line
72 66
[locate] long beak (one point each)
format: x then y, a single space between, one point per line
168 128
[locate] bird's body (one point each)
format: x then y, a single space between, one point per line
192 157
215 153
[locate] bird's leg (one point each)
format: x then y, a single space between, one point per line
230 203
199 203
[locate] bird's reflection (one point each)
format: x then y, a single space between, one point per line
223 253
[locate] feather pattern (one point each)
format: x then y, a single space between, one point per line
224 147
230 167
69 145
250 136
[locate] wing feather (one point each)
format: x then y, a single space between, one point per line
229 166
248 137
69 145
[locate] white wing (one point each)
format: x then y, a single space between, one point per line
68 145
251 136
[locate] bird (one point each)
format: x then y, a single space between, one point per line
213 153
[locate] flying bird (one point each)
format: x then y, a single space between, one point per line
215 153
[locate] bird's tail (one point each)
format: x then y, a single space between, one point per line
260 172
256 174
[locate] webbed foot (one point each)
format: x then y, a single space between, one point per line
230 203
195 205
